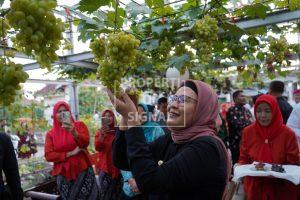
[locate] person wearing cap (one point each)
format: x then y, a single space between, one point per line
296 94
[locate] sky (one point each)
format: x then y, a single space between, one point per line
80 47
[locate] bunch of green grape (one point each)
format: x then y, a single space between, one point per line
98 47
164 48
180 49
39 32
11 75
115 55
141 59
278 48
206 34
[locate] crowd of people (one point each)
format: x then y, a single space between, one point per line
185 150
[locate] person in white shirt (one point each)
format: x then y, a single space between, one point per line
294 122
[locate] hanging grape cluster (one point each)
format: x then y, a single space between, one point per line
206 34
11 75
161 53
115 56
39 31
180 49
278 48
141 59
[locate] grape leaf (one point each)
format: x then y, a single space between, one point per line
179 61
111 18
253 41
160 28
294 4
256 10
149 45
92 5
134 9
233 29
1 2
258 30
260 56
154 3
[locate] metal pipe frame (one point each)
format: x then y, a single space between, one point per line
79 60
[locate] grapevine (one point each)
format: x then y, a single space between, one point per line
206 33
11 75
39 32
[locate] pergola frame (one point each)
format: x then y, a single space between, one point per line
84 59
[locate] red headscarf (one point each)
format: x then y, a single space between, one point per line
112 125
271 131
204 120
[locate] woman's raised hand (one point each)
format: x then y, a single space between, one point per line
125 106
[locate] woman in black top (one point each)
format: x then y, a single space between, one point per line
9 165
190 163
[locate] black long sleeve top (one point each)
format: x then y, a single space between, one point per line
9 165
195 170
285 108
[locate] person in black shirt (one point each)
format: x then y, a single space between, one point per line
190 163
9 165
276 89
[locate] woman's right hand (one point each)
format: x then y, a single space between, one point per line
73 152
133 185
125 106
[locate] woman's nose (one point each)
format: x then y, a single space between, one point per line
173 105
263 114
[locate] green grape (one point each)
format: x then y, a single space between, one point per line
39 33
11 76
206 33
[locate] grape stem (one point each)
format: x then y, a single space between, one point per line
116 13
3 38
4 12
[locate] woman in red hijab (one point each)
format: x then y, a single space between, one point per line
66 146
109 176
268 140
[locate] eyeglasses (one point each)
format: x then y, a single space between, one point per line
181 99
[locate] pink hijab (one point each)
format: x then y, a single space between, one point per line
204 124
204 117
